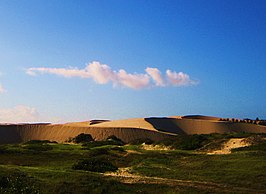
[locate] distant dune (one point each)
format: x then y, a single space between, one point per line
128 130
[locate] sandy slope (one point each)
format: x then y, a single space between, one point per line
128 123
231 144
61 133
130 129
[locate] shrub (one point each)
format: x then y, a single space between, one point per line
96 164
82 138
115 139
99 151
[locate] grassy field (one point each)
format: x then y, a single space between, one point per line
43 167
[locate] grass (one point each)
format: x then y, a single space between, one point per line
51 170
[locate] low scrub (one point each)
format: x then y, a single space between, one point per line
38 147
95 164
40 142
17 184
258 147
82 138
94 144
115 139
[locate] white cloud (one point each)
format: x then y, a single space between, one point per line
135 81
2 89
100 73
19 114
103 74
70 72
156 76
179 79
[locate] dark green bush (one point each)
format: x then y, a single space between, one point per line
99 151
189 142
95 164
83 138
115 139
93 144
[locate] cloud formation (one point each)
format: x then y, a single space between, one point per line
19 114
103 74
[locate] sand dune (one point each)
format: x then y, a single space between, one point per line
61 133
129 129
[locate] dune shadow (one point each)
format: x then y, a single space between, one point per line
165 124
9 134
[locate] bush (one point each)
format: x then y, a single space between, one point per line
96 164
190 142
115 139
98 152
186 142
83 138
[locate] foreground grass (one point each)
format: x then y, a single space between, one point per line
48 169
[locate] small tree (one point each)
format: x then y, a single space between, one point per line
83 138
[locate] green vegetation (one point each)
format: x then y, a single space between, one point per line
82 138
47 167
95 164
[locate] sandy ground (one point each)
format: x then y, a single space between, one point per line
125 176
231 144
155 147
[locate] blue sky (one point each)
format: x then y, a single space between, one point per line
219 46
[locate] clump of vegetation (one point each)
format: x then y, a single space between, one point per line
190 142
254 139
186 142
38 147
112 140
95 164
257 147
82 138
18 183
115 139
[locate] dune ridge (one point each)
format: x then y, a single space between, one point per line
154 128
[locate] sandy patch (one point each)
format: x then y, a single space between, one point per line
155 147
231 144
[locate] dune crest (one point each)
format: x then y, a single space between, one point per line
153 128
